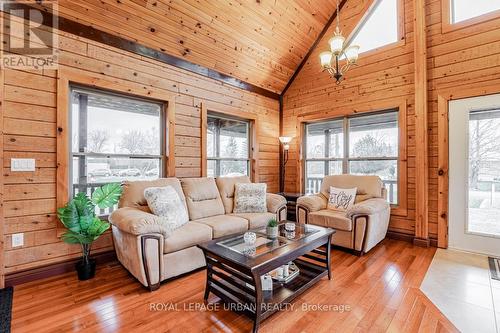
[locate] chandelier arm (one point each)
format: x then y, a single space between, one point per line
346 67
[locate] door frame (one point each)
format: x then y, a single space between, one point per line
444 97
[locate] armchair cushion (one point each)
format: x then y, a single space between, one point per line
138 222
367 186
274 202
331 219
313 202
368 207
341 199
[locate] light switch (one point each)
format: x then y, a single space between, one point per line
22 164
17 240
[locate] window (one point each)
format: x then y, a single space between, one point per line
364 145
484 172
370 35
228 146
462 10
113 138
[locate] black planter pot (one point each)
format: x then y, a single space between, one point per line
85 271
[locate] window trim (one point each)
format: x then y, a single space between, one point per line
162 123
448 26
384 48
251 118
401 209
218 159
66 78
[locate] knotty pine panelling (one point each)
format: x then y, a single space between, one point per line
381 77
30 132
456 59
261 42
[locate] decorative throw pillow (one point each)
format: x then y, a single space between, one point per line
250 198
341 199
165 202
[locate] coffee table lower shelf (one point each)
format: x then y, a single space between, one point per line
243 292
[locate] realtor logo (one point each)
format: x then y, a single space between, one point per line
29 36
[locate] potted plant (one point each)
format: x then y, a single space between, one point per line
84 227
272 228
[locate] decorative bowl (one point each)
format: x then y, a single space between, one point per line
249 238
290 226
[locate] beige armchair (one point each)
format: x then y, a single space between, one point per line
363 226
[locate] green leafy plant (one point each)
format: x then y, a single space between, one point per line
272 223
78 216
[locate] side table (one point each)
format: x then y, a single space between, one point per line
291 203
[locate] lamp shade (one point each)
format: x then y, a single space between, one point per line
285 139
336 44
325 58
352 53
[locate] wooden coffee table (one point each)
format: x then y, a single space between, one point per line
234 269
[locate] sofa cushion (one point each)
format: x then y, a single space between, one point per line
223 225
330 218
367 186
165 202
250 198
226 190
256 220
133 191
202 198
190 234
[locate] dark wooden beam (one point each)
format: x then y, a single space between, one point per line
311 49
85 31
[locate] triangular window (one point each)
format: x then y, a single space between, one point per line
378 28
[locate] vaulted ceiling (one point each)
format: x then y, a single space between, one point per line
261 41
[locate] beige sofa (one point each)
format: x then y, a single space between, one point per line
147 249
363 226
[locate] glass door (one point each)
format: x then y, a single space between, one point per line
474 193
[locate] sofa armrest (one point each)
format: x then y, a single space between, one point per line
274 202
368 207
137 222
312 203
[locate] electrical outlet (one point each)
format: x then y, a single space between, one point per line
22 164
17 240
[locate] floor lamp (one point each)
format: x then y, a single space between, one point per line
285 141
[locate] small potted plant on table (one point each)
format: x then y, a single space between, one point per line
84 227
272 228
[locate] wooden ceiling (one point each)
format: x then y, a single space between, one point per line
261 42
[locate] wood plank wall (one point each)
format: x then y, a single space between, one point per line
456 59
30 131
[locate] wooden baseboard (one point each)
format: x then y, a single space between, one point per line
400 236
38 273
412 239
422 242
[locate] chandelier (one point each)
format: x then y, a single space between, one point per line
338 51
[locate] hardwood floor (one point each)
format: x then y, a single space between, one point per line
379 292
